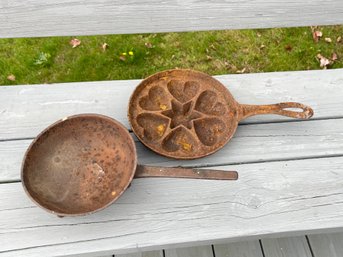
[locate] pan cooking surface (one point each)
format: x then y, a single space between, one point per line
79 165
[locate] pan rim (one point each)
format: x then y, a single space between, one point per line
58 122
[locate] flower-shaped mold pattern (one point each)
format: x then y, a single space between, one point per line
181 118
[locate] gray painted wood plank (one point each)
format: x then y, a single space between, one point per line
239 249
327 245
40 18
287 247
251 143
195 251
269 199
26 110
142 254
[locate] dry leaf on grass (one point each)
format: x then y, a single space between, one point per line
11 77
339 39
328 40
230 66
148 45
241 71
288 48
104 46
75 42
316 34
324 62
212 47
334 57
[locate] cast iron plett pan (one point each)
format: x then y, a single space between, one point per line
185 114
83 163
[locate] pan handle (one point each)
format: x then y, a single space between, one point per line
177 172
305 112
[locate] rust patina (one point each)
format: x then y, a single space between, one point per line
83 163
186 114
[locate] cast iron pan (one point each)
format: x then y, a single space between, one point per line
185 114
83 163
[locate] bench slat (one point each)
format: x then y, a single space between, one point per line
287 247
37 18
275 198
326 245
25 111
239 249
251 143
195 251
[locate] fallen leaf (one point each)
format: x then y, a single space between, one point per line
316 34
148 45
288 48
11 77
324 62
122 58
241 71
262 46
230 66
334 57
75 42
328 40
213 47
339 39
104 46
209 57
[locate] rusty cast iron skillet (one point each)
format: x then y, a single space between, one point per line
83 163
186 114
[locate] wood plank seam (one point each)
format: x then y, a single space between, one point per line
241 124
261 246
309 245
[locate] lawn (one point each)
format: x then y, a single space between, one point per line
51 60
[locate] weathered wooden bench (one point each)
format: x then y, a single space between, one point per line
291 172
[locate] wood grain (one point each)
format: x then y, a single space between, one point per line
327 245
251 143
269 199
287 247
239 249
37 18
25 111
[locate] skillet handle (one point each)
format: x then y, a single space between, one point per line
305 112
178 172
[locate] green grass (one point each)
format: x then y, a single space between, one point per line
51 60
